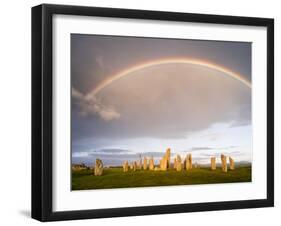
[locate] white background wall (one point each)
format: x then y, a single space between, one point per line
15 114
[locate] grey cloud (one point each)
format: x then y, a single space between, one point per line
218 154
159 102
112 151
158 106
113 156
94 106
211 148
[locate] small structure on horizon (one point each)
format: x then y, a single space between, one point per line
80 166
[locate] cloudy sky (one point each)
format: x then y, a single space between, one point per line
187 107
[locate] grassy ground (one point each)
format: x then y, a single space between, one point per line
116 178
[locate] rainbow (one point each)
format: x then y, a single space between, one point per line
141 66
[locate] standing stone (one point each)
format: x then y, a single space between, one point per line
223 163
213 163
98 167
184 164
132 166
140 163
145 163
160 163
151 164
188 162
164 164
196 165
167 157
135 166
179 166
175 163
231 164
165 161
125 166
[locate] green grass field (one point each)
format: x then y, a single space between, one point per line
116 178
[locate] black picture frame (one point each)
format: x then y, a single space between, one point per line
42 106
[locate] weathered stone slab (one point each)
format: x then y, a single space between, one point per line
167 158
145 163
223 163
135 166
188 162
139 164
213 163
125 166
151 164
178 165
98 167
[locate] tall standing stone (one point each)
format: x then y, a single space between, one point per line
213 163
98 167
163 164
188 162
145 163
125 166
151 164
135 166
179 166
140 163
231 164
168 156
165 161
223 163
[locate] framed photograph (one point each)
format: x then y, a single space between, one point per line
145 112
